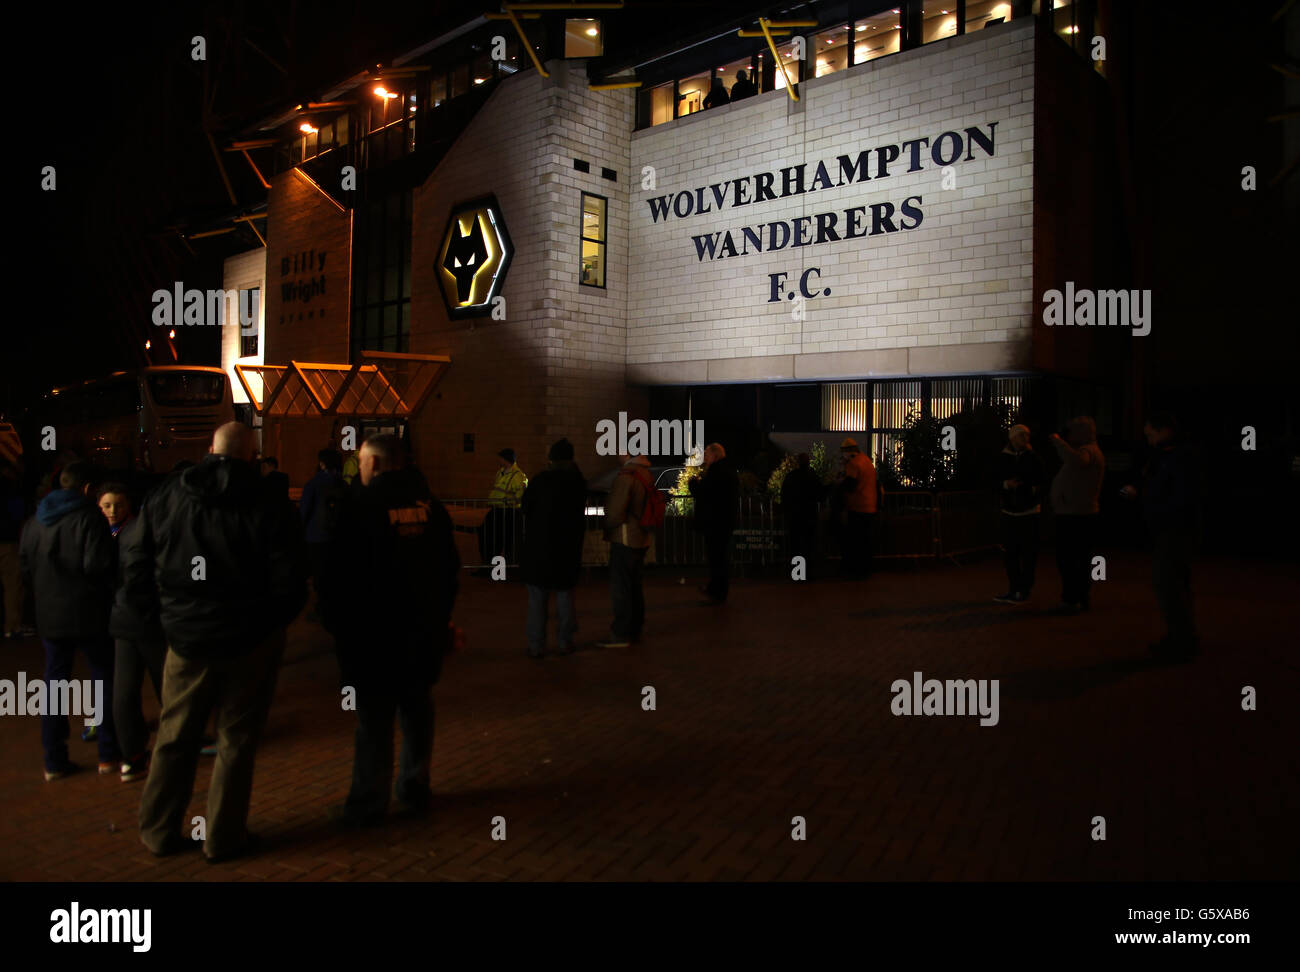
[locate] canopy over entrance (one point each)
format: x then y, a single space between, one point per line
382 384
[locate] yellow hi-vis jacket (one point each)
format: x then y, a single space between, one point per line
508 488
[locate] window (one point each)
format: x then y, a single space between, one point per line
845 406
830 50
381 274
483 69
459 80
582 37
938 20
115 398
178 388
950 396
728 74
877 36
982 15
593 240
691 93
248 342
791 64
660 104
895 402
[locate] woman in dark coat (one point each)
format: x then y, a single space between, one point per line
554 530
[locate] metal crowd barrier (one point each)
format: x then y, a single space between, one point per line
912 524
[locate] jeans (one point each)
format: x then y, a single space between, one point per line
538 604
135 657
626 565
1171 576
411 703
59 653
717 551
240 690
1075 538
1020 550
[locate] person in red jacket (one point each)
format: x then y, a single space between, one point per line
858 488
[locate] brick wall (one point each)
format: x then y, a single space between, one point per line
952 295
306 224
310 323
555 365
243 271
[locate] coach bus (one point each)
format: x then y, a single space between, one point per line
141 421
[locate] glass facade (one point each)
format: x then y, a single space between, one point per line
381 274
836 47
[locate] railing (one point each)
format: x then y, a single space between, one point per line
908 525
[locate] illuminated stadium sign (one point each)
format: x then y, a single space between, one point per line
474 257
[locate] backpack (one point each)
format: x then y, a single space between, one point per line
652 514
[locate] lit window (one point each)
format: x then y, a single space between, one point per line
787 60
845 406
661 103
593 240
987 14
877 36
691 93
939 20
830 50
730 78
583 37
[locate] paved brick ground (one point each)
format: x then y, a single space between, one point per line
774 706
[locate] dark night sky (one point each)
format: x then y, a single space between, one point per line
124 125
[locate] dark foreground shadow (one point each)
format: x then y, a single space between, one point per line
1046 685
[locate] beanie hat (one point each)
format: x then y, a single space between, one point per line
848 445
561 451
508 455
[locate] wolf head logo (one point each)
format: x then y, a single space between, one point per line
466 253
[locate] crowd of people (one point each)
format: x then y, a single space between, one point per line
196 589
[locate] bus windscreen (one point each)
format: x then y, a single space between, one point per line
187 388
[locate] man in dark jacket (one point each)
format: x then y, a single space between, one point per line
717 96
743 88
319 505
276 481
801 491
388 586
554 529
222 554
1171 507
1021 478
68 561
717 493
